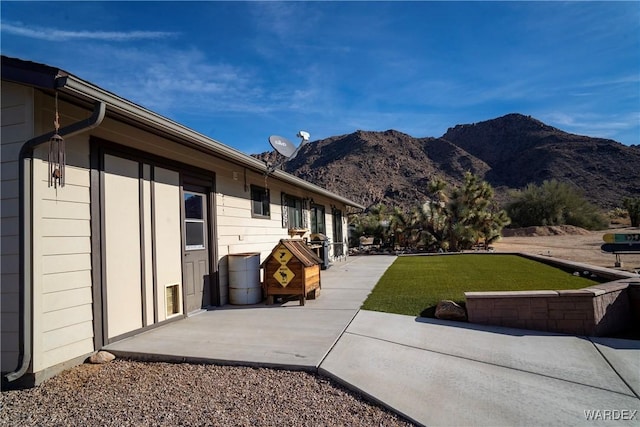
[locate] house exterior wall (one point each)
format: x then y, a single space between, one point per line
150 317
140 244
17 127
167 237
61 243
236 229
122 260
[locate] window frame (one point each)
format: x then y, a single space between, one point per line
199 221
265 202
296 204
338 232
314 210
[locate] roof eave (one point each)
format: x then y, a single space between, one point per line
140 114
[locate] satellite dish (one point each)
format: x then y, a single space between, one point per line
282 145
285 147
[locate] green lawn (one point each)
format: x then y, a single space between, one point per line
414 285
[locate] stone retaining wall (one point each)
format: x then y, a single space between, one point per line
599 310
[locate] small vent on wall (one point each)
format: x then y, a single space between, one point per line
172 299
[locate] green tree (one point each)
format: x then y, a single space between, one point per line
553 203
400 228
429 226
632 205
473 215
452 219
375 222
462 217
428 220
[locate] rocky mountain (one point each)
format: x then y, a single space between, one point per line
509 152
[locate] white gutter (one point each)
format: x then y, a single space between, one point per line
140 114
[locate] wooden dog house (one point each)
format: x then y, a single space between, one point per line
292 269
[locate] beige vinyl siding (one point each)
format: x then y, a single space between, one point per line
62 283
17 128
237 230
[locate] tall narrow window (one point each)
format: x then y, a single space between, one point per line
292 212
338 244
194 221
260 204
317 219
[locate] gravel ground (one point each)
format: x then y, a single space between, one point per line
128 393
582 246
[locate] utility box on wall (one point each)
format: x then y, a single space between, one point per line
292 269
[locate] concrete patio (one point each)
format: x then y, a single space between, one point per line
432 372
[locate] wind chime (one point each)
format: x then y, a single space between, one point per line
57 157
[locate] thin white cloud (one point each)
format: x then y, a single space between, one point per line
53 34
593 124
285 20
190 83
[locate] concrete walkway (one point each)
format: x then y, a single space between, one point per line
433 372
440 373
280 335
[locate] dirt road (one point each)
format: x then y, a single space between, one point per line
583 247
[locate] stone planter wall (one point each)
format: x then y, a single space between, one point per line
595 311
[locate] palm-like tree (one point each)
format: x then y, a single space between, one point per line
450 220
469 212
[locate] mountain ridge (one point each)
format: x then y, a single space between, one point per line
509 152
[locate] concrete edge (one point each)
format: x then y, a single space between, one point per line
318 370
367 396
608 273
335 342
631 388
156 357
510 294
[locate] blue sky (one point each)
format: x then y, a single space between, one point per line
241 71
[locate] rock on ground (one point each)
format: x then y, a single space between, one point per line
449 310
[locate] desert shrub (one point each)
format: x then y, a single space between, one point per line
632 205
618 216
553 203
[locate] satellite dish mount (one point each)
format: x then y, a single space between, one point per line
285 147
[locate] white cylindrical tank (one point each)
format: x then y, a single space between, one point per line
244 278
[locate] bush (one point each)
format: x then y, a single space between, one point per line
632 205
554 203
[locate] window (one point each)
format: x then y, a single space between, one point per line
338 245
194 221
292 212
260 205
317 219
